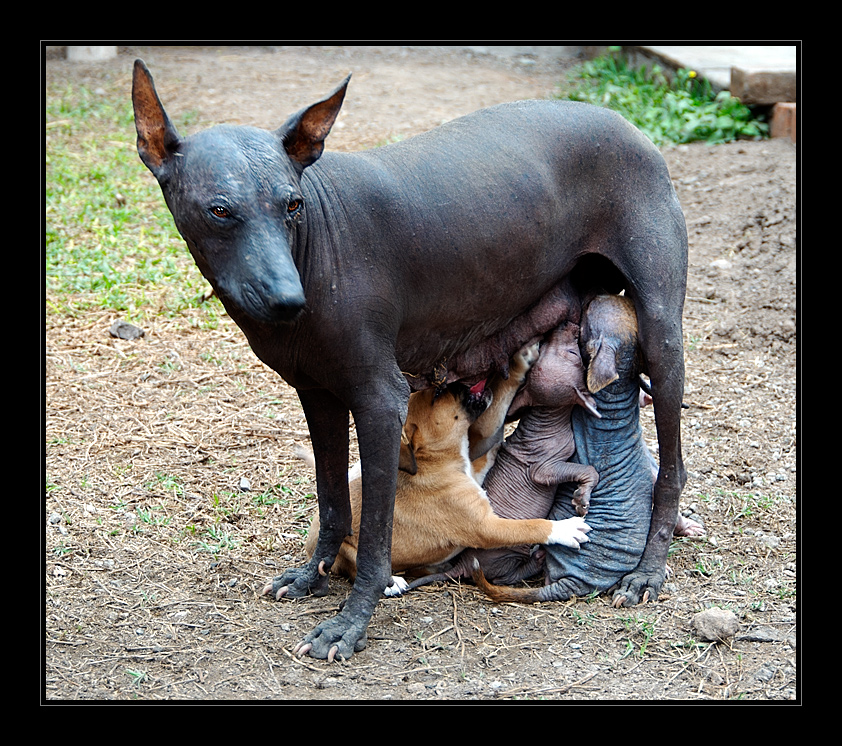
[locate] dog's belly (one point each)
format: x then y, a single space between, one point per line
473 353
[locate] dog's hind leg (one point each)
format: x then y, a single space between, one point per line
657 271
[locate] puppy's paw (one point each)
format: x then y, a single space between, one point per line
581 501
571 532
525 358
397 587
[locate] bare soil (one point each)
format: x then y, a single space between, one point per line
155 553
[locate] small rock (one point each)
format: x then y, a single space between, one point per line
765 674
770 541
715 624
245 485
124 330
761 634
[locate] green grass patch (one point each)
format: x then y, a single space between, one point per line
110 241
678 110
640 631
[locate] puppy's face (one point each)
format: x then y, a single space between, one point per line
437 423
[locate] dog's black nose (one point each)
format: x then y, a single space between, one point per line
285 309
269 305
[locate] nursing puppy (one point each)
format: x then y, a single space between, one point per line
620 506
440 507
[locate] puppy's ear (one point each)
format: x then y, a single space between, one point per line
585 399
602 367
406 460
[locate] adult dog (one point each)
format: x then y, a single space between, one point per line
361 276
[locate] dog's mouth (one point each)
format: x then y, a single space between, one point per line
475 398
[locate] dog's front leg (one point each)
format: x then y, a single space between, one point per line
379 415
327 420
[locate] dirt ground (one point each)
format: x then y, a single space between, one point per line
155 553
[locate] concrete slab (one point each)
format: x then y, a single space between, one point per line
754 73
90 54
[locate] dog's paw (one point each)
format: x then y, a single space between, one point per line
524 359
571 532
310 580
397 587
581 501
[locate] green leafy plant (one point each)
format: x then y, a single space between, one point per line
680 110
217 540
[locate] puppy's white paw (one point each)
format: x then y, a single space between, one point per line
571 532
397 588
525 358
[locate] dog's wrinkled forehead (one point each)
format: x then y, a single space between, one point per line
236 151
233 168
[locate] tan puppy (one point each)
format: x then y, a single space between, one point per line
440 507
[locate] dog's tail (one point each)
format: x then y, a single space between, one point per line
438 577
305 454
501 593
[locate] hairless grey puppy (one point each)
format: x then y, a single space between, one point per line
621 504
534 459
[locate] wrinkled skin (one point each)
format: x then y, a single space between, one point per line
533 460
359 276
621 504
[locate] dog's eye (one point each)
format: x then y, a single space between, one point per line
220 211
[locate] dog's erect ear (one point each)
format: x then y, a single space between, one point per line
304 133
602 367
157 139
406 460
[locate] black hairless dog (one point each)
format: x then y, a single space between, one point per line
358 277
